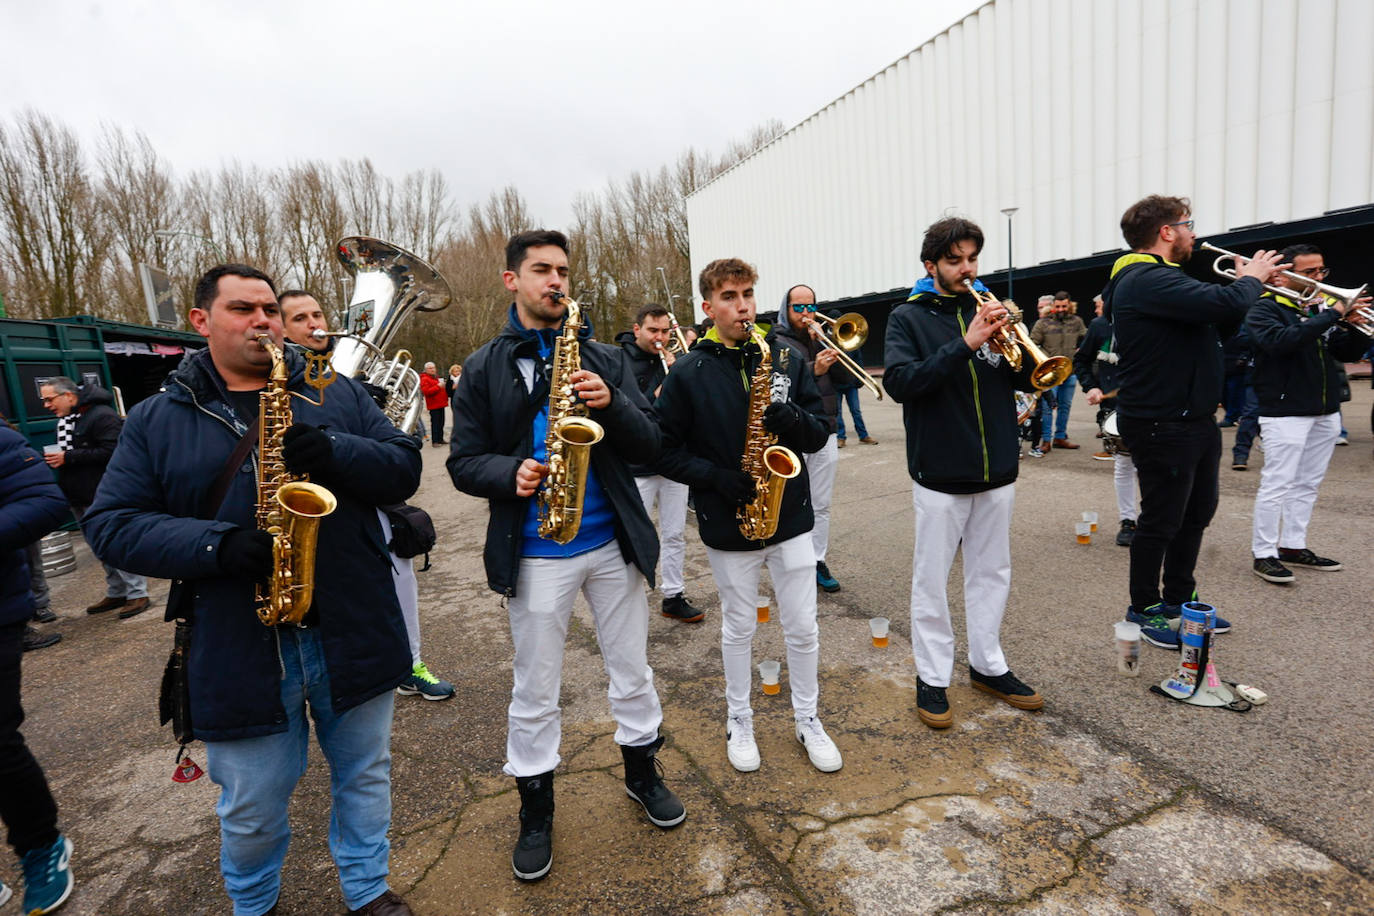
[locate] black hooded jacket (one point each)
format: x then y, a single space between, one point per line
801 341
704 412
649 374
1169 329
493 435
1298 358
93 442
958 404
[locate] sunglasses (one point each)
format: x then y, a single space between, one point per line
797 307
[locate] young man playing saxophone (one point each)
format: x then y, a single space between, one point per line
502 405
155 513
704 410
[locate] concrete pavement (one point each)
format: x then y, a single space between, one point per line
1109 801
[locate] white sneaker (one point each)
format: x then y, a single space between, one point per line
740 746
1342 441
825 756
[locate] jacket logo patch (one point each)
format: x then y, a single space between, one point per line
988 355
781 389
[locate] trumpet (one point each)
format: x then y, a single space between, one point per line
1308 292
852 331
663 357
1013 338
678 337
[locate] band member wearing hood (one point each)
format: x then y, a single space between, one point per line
301 317
797 315
1168 330
705 413
499 454
646 345
956 391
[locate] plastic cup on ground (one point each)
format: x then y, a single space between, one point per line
1091 519
877 626
762 604
1127 648
768 671
1083 531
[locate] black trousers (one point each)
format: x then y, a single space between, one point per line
436 425
1176 463
26 805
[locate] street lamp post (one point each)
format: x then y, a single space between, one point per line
170 233
1009 212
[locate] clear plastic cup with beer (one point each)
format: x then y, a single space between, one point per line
1083 531
762 604
1091 519
877 628
768 673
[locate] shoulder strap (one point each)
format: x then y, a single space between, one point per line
226 474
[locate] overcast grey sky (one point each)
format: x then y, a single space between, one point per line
554 98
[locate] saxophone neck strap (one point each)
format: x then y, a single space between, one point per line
226 474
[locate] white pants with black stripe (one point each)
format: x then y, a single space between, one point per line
792 566
539 616
1297 451
982 521
820 467
671 497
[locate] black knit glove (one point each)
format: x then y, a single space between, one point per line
306 449
782 417
736 486
246 553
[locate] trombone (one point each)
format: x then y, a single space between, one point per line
1308 292
851 330
678 337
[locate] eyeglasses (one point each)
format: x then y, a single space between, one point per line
1185 222
803 307
1316 273
46 401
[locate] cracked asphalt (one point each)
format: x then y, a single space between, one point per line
1110 800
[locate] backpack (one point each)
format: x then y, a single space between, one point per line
412 532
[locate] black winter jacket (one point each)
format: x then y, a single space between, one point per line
958 405
649 374
704 410
807 348
1094 363
1298 359
493 434
93 442
151 517
31 505
1169 329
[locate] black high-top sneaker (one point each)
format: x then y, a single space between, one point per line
533 853
644 783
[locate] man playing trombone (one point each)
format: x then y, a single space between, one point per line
1168 330
1299 347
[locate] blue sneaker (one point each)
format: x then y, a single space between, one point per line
47 879
826 581
1156 628
425 684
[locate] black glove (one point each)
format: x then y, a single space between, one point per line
782 417
306 449
246 553
378 393
736 486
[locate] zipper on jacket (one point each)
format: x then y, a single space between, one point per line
977 401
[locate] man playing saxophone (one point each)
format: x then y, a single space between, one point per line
179 501
499 452
705 410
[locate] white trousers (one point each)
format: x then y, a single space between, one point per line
671 497
1123 475
407 593
792 565
982 521
1297 451
539 616
820 467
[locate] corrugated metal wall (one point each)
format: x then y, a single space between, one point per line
1070 110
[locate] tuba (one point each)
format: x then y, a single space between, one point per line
570 437
1013 338
288 507
769 464
388 284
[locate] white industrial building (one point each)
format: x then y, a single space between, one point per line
1260 111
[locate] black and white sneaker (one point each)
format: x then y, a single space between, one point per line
1271 570
1308 559
677 607
1126 535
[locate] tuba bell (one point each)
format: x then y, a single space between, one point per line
388 284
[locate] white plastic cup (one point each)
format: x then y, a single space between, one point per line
1083 532
1127 647
52 449
768 671
1091 519
877 626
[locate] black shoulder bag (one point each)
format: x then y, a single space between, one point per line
412 532
174 699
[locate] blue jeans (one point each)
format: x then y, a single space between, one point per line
257 775
1060 396
849 396
1247 427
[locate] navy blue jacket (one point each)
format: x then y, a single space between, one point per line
1298 357
493 434
150 517
31 505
